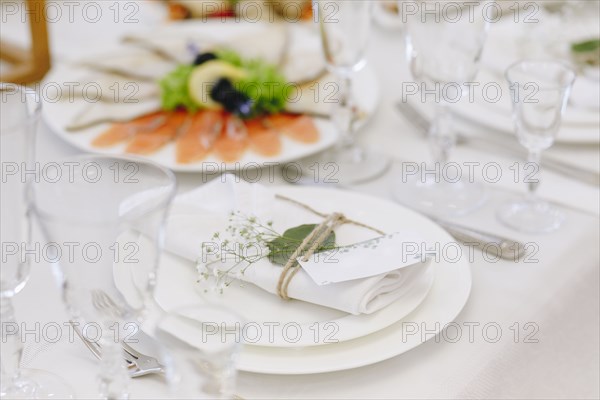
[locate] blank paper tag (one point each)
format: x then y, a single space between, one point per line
365 259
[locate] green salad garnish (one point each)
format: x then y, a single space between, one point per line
261 82
174 89
264 84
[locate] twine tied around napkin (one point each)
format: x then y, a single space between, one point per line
315 239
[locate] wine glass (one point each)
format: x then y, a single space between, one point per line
345 28
106 208
20 110
539 91
444 45
204 340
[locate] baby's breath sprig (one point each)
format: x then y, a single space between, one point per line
247 232
242 233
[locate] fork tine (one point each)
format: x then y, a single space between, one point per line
97 350
111 303
131 350
109 300
100 300
103 302
93 347
130 358
106 302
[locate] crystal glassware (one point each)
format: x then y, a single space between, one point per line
539 91
444 44
203 341
20 111
103 209
345 28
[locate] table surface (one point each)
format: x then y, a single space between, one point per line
557 293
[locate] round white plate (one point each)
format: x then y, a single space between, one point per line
362 339
58 114
444 302
447 297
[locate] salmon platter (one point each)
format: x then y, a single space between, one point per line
203 97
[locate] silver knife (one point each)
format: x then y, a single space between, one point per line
492 145
507 249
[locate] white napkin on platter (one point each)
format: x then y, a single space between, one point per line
195 217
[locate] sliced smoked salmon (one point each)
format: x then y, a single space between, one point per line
121 132
300 128
198 136
233 142
267 144
277 121
263 140
209 131
230 150
148 142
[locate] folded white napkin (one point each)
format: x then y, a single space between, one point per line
585 92
195 217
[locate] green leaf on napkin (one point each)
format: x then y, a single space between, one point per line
585 46
281 248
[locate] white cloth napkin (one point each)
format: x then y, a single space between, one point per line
195 217
585 91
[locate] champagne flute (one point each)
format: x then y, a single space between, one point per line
345 28
444 44
20 110
204 340
106 208
539 91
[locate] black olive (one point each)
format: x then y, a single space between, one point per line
204 57
231 99
222 89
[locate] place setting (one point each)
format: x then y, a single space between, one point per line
178 274
339 320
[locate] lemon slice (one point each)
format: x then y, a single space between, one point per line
205 76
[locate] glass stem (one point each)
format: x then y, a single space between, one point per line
533 157
114 379
344 117
343 114
12 346
441 134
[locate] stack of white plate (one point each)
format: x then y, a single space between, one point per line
313 339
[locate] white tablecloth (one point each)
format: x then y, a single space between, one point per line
558 292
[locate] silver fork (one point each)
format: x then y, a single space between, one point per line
133 367
102 302
144 363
